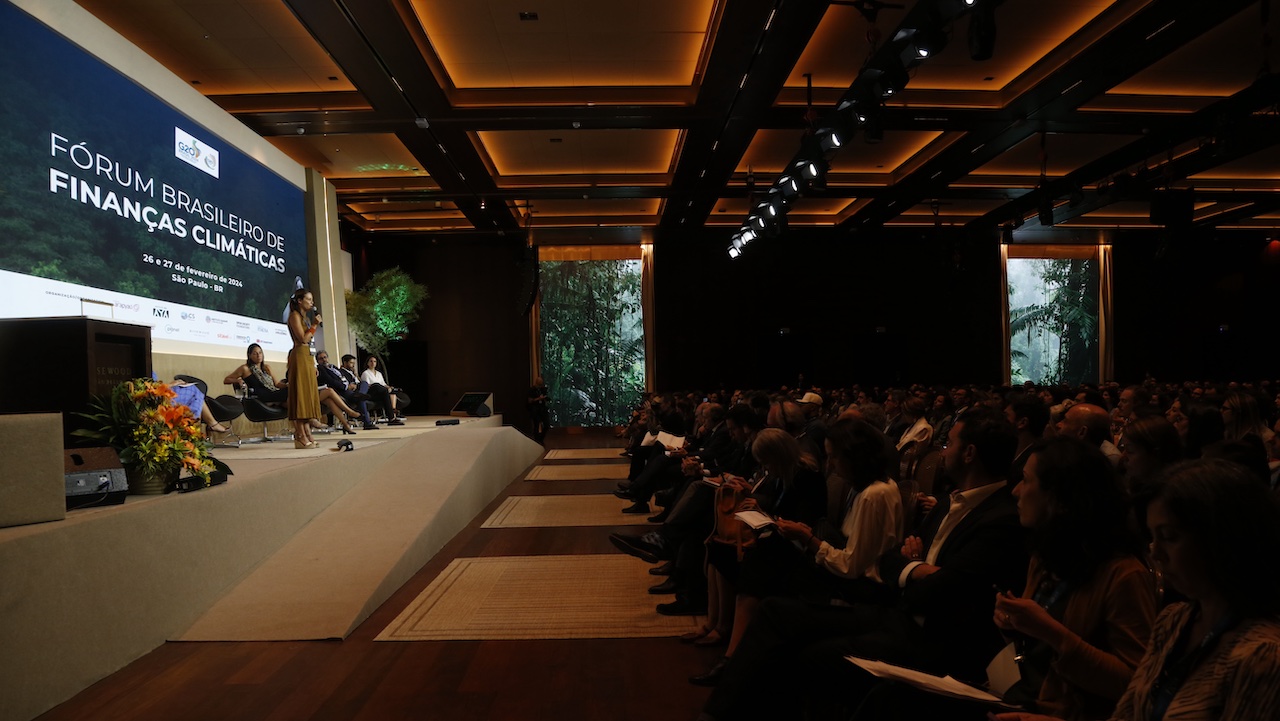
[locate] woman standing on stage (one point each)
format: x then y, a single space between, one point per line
304 399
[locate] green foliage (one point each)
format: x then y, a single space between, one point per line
382 311
1068 317
592 340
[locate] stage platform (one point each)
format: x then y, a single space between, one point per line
300 544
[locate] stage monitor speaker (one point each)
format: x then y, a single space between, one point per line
31 484
1173 208
474 403
448 422
94 477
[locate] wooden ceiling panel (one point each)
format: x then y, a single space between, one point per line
1026 33
577 152
1219 63
1064 154
594 208
351 156
897 149
485 44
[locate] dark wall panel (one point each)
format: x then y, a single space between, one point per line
473 334
899 307
1195 306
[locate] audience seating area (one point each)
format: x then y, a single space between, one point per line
778 595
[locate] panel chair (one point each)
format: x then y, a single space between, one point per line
259 412
225 409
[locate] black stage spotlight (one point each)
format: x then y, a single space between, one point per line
829 139
788 187
921 45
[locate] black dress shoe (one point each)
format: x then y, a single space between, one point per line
624 494
663 570
635 546
712 676
397 421
638 507
667 586
660 517
370 426
682 607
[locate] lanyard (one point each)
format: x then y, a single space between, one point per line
1174 674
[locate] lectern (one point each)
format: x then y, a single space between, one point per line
58 364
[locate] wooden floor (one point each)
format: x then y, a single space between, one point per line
613 679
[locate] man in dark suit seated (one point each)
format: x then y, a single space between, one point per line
942 585
346 386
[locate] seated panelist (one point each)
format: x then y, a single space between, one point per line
256 375
346 385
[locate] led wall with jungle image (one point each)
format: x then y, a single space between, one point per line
1054 319
592 340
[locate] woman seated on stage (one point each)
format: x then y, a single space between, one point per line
256 374
1215 529
190 395
382 392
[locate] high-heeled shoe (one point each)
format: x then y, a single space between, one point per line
219 428
300 445
348 431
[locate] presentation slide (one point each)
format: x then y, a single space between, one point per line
113 204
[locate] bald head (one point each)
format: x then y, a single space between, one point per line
1087 421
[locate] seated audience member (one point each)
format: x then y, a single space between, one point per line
381 392
1150 444
1215 657
919 433
872 526
1029 416
1241 416
347 387
749 567
1082 623
1198 424
1093 424
941 620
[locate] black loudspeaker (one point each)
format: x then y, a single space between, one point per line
448 422
474 403
1173 208
94 477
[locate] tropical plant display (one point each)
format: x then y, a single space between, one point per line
383 309
154 436
592 340
1053 333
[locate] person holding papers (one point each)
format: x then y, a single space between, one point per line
749 558
1216 657
940 619
873 524
1081 624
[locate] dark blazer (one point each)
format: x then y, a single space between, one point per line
330 376
987 550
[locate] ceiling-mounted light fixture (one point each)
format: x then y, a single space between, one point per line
829 139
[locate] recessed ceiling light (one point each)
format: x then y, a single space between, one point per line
527 16
195 82
557 140
333 77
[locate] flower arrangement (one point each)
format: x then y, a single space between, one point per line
155 437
